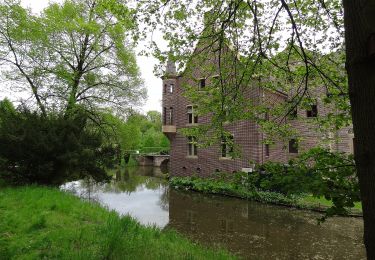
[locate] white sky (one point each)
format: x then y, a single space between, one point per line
146 65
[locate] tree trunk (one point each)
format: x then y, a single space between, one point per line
360 65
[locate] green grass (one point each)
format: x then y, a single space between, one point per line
45 223
310 200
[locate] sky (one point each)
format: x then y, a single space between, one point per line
146 65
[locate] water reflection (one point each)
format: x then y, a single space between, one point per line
259 231
135 192
252 230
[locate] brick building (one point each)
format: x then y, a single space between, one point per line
186 158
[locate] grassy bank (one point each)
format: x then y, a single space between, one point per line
224 187
39 222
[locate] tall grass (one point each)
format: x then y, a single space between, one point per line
39 222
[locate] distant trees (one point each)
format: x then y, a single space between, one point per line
137 133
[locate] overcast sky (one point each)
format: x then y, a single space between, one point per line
146 64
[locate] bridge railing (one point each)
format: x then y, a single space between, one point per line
150 151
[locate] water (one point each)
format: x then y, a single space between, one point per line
251 230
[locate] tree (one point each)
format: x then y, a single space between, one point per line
137 132
258 30
50 150
360 65
76 52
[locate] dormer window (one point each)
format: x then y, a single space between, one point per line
202 84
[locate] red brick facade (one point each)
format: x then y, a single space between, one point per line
246 134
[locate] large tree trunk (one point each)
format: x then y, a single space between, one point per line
360 64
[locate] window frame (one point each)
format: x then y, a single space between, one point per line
171 116
313 111
293 146
192 150
200 85
267 150
225 149
164 116
171 88
192 118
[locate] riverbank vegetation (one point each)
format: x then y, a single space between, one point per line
38 222
315 180
232 188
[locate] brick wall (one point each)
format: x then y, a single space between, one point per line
246 134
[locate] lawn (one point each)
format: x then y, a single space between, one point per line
45 223
310 200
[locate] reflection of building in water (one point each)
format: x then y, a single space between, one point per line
261 231
191 220
226 225
245 211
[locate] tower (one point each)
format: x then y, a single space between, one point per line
169 99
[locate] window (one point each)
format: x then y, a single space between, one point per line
267 116
293 146
267 149
165 88
164 116
171 116
226 146
171 87
293 113
202 84
192 118
192 146
313 112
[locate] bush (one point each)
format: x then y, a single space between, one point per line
50 150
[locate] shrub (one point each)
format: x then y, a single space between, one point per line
50 150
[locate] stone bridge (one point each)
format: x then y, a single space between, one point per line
153 160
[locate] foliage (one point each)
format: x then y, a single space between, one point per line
255 44
231 187
54 224
149 130
137 133
50 150
316 173
74 52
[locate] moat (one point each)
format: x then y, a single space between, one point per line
249 229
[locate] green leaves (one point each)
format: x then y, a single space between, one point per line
73 53
318 172
50 150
